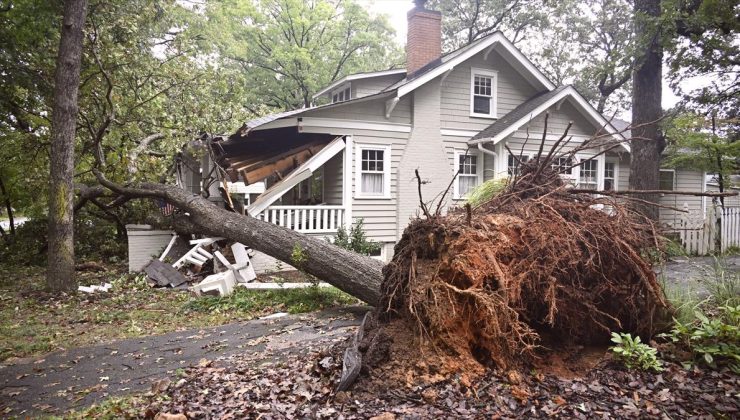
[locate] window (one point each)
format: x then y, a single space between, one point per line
469 170
342 94
514 162
562 165
610 176
482 93
589 175
667 180
373 172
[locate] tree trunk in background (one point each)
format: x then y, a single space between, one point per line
648 143
61 264
8 206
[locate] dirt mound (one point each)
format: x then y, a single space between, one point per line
486 284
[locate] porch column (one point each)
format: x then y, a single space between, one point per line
347 181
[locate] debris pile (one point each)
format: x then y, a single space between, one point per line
536 264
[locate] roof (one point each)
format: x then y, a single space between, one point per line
446 63
535 106
261 121
359 76
522 111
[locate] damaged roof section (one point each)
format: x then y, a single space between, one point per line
283 156
279 152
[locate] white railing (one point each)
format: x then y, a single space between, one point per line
305 219
701 235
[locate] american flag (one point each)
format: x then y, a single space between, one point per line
166 208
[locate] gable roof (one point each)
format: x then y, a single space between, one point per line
535 106
523 111
358 76
448 62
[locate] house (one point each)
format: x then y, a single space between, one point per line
353 154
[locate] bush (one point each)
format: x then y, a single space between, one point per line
355 240
713 339
634 353
486 191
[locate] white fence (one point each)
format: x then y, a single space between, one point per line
305 219
718 231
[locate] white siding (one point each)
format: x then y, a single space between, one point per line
144 246
686 180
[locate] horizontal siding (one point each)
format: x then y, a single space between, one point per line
333 174
144 247
370 110
512 90
558 121
729 201
373 85
685 181
379 215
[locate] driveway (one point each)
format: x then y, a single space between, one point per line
82 376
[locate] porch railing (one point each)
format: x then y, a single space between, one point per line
305 219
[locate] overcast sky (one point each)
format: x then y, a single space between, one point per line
397 9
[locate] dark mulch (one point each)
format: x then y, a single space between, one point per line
303 387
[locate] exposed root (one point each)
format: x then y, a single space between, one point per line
487 283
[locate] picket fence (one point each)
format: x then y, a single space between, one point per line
703 235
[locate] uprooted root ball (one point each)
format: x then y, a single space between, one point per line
535 260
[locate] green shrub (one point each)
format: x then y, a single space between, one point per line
713 338
355 240
486 191
634 353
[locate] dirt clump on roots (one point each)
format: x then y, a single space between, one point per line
483 286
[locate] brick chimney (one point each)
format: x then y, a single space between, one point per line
424 37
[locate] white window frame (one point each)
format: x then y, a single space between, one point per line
478 171
342 88
494 91
528 156
615 161
386 171
675 180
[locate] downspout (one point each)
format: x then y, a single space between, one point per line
486 151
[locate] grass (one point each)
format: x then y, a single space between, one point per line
719 287
32 322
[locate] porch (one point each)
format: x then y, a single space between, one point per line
306 188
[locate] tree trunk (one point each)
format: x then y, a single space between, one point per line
8 207
648 142
355 274
61 264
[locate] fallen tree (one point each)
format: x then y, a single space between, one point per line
358 275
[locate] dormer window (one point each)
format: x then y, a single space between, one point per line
342 94
483 93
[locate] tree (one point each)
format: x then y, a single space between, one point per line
61 263
647 139
702 144
292 48
465 21
353 273
589 44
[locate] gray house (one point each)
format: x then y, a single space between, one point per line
353 154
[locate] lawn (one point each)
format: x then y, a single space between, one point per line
35 322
